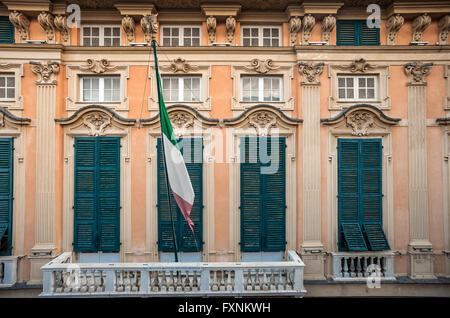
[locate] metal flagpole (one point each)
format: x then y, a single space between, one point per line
162 143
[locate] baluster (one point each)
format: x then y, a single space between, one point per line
187 283
265 282
170 282
97 281
195 286
134 281
155 283
229 282
56 288
383 266
249 283
279 280
91 282
222 286
179 282
257 280
345 268
214 286
126 281
352 267
272 280
358 267
102 281
119 278
164 283
342 266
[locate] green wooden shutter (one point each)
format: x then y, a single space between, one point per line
351 236
356 32
369 36
192 150
97 194
263 195
85 222
6 194
6 30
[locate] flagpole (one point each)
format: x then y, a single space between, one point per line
163 151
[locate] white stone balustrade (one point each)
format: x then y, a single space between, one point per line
62 278
356 266
8 271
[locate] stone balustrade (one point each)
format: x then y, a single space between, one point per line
8 271
62 278
360 265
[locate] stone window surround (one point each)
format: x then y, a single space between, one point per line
381 71
447 88
74 74
17 71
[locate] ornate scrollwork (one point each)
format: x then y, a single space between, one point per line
181 120
60 22
295 24
230 24
21 24
180 65
444 28
149 26
419 25
98 67
417 72
128 26
393 25
360 65
310 72
46 20
308 24
96 123
263 121
328 24
45 71
360 122
211 27
262 67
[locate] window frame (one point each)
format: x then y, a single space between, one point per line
101 41
181 89
180 34
356 88
7 75
101 89
260 34
261 88
358 33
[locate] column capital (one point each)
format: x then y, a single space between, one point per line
46 72
416 72
310 72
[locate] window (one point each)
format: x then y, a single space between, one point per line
261 36
357 88
356 32
263 194
261 89
360 195
181 88
97 194
7 87
100 89
192 150
6 194
181 36
100 35
6 30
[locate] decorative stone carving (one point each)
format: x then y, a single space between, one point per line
97 67
45 19
308 24
230 24
128 26
211 27
310 72
180 65
61 24
328 24
2 120
96 123
360 65
417 72
181 120
149 26
46 71
21 24
419 25
444 28
360 122
295 23
262 121
262 67
393 25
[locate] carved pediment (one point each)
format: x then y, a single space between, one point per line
260 66
10 122
97 67
356 66
180 65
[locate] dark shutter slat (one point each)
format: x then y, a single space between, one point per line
369 36
353 237
6 30
376 237
6 194
346 33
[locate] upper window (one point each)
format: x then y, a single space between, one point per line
101 35
356 32
181 36
6 30
7 86
261 88
261 36
181 88
100 88
357 88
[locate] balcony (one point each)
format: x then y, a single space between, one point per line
62 278
8 271
348 266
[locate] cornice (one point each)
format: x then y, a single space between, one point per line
261 107
95 108
358 107
184 108
14 119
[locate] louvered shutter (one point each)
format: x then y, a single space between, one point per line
6 30
85 219
6 194
351 236
369 36
347 33
108 194
192 150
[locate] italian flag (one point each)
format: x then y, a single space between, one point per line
179 180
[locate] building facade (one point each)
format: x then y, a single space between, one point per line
351 101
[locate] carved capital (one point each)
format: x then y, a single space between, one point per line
360 65
263 121
262 67
310 72
211 27
360 122
149 26
419 25
295 24
417 72
128 26
444 28
46 20
181 121
21 23
328 24
230 24
97 67
393 25
308 24
180 65
61 24
46 72
96 123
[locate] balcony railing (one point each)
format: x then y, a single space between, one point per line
360 265
62 278
8 271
